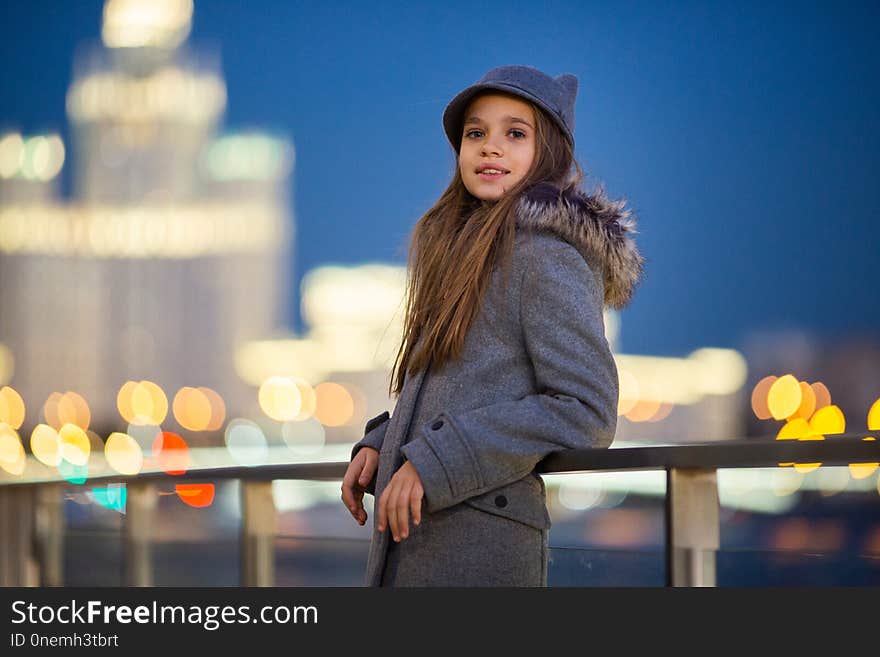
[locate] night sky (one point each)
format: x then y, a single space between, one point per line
744 135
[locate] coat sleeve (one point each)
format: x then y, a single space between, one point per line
374 436
460 455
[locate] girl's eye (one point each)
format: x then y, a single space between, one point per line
517 134
473 133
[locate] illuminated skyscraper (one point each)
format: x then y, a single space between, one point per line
173 249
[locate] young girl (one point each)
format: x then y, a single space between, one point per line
504 357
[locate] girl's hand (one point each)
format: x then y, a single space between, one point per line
359 473
403 493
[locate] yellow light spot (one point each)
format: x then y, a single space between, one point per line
808 402
823 396
280 398
784 397
123 400
123 454
75 444
12 456
874 416
11 155
792 430
807 467
759 397
148 403
863 470
46 445
308 397
828 420
11 407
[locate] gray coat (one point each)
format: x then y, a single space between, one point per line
536 375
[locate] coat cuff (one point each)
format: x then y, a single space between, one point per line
445 463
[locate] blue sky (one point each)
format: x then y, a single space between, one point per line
744 135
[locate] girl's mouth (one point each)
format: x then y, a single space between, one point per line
491 174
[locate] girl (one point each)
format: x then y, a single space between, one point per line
504 357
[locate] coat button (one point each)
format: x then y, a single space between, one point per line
437 425
501 501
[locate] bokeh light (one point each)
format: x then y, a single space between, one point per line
828 420
246 442
334 405
304 437
195 495
46 445
123 454
192 409
71 408
75 445
863 470
112 497
280 398
823 395
142 402
759 397
628 395
218 408
808 402
12 408
803 468
784 397
171 452
874 416
75 474
12 455
144 435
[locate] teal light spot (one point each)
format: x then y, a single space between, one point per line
75 474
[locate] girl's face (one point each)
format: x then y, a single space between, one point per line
497 145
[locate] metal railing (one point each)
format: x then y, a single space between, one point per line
31 517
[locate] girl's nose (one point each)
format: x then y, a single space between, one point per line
489 147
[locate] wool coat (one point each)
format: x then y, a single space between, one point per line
536 375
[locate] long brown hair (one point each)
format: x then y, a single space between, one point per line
454 247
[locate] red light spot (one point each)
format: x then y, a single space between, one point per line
197 495
172 453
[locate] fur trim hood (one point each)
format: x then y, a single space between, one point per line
600 229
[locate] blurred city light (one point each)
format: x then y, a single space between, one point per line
245 442
784 397
171 452
146 23
195 495
12 454
46 445
123 454
12 409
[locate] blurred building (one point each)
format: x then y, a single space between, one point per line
173 250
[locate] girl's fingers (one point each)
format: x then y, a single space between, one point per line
403 514
416 504
381 511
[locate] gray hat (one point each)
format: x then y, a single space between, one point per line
554 95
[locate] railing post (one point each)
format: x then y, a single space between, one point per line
49 533
692 526
140 508
258 529
17 564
